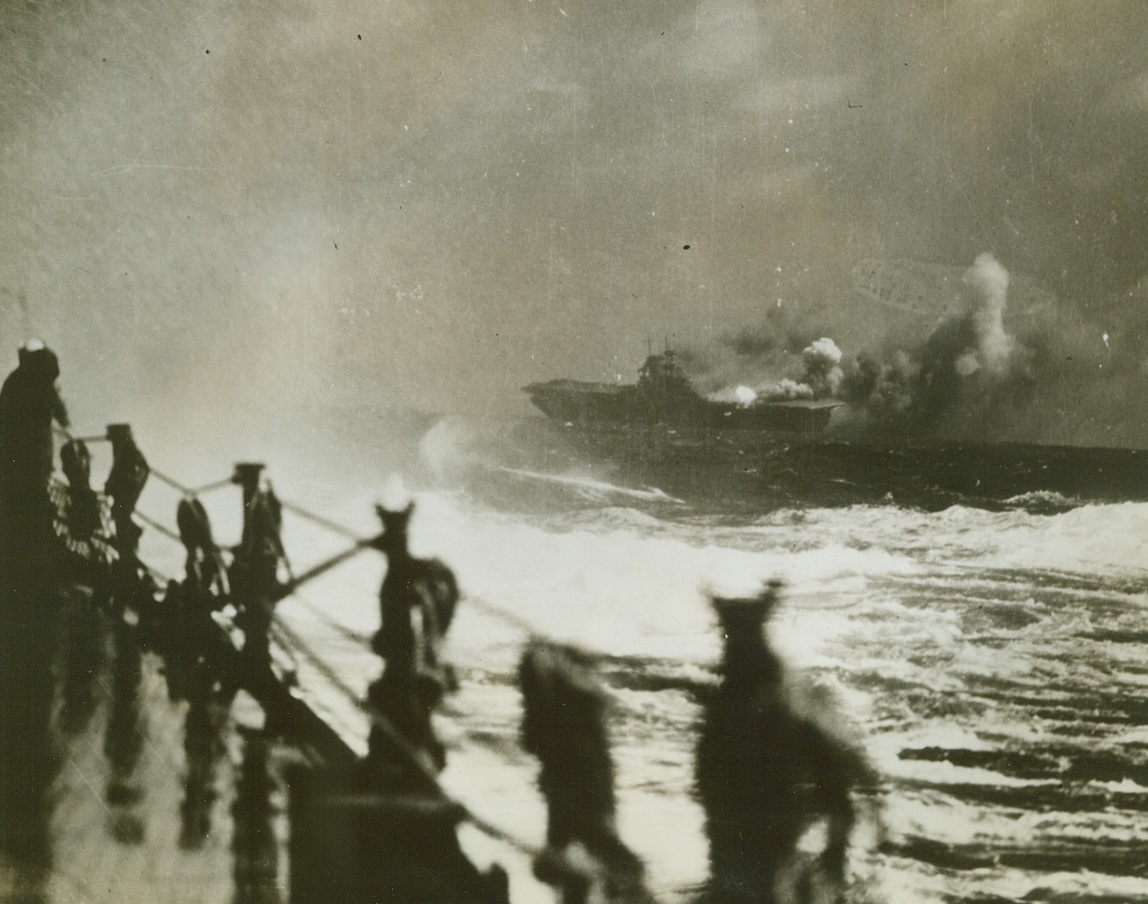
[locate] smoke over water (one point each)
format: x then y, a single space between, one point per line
961 358
966 374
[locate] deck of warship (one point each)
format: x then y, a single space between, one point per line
127 853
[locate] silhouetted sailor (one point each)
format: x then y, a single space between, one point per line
186 635
125 483
131 591
83 503
564 725
192 648
766 772
85 638
417 602
29 402
254 574
204 564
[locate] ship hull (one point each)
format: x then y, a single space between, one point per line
592 405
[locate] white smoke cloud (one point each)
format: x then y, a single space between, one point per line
821 378
994 347
823 372
745 395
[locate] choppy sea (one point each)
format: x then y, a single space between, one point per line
991 663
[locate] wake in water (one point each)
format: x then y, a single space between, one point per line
589 488
533 465
495 466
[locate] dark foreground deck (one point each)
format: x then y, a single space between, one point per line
104 847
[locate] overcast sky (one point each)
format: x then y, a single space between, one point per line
434 203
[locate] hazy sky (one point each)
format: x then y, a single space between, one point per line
239 204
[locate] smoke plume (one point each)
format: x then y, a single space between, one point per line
993 348
966 372
823 373
820 379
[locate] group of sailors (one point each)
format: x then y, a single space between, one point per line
764 771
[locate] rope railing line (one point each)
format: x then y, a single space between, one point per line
321 521
300 646
523 847
190 491
348 633
186 490
378 720
209 487
292 507
170 481
297 581
157 526
276 632
363 639
595 654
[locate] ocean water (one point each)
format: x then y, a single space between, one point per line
989 662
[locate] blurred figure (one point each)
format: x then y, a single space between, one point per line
84 637
125 483
204 568
83 503
564 725
29 402
189 640
128 600
254 574
416 607
405 847
766 773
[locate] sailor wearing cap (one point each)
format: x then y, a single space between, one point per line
29 402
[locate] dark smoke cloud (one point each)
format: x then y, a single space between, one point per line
758 356
965 379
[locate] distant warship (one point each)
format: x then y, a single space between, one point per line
664 396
